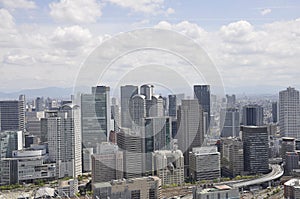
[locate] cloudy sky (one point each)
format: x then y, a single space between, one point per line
255 45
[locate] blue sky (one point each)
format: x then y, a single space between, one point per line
254 44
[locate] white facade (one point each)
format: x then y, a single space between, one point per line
289 113
64 141
168 166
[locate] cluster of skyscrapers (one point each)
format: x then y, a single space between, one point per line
144 134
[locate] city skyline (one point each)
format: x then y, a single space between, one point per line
43 46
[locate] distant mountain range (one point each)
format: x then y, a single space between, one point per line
53 92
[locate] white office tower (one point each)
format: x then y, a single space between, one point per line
168 165
64 140
289 113
190 132
205 163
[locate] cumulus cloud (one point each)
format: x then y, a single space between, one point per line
75 11
18 4
6 20
153 7
266 11
246 53
71 37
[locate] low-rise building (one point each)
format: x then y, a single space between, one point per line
292 189
142 188
216 192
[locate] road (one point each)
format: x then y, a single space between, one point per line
276 173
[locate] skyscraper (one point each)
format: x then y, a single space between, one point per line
130 143
232 156
253 115
202 94
64 140
95 116
137 109
154 106
12 114
115 115
147 91
127 92
255 141
274 112
157 137
289 113
172 106
190 128
231 126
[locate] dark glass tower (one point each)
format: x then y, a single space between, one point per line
253 115
255 141
172 105
202 93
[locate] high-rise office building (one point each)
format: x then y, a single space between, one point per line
147 91
190 128
12 114
289 113
127 92
157 137
231 100
168 165
95 116
231 127
64 140
9 142
137 109
115 115
107 164
274 112
130 143
232 156
154 106
39 104
172 106
255 141
205 163
253 115
202 94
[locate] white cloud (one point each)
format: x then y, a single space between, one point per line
153 7
18 58
71 37
6 20
75 11
170 11
266 11
15 4
245 53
